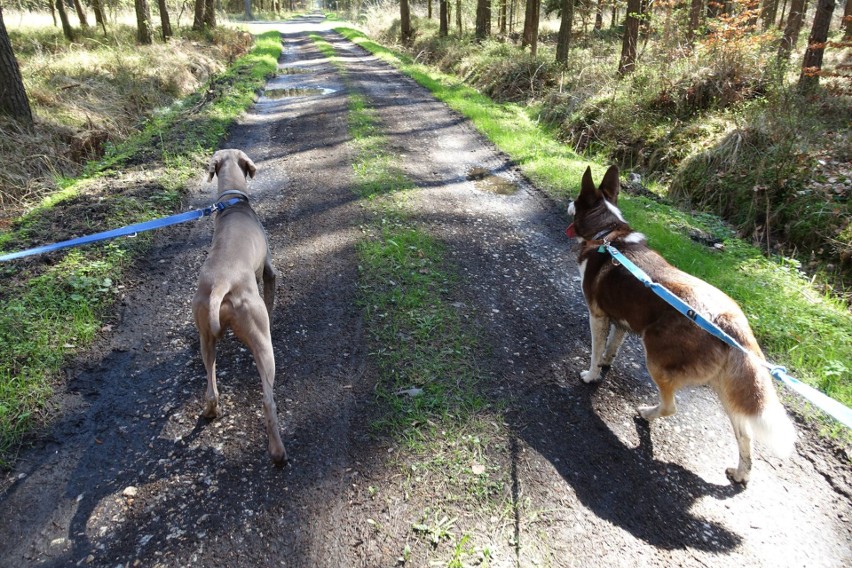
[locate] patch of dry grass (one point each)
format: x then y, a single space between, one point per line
93 93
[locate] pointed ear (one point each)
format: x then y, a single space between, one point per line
247 165
212 166
610 185
588 191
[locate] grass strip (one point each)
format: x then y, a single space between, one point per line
809 332
429 385
59 310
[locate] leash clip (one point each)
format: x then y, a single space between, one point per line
605 248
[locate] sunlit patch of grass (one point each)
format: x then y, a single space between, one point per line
55 313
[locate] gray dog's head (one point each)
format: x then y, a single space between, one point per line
222 157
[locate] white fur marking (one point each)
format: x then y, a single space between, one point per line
571 209
634 237
615 211
582 268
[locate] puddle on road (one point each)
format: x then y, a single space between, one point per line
292 71
484 180
296 92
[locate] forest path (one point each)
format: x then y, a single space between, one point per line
131 476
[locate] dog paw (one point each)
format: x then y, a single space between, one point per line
737 477
211 410
589 376
279 456
649 412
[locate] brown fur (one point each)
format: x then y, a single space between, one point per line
678 352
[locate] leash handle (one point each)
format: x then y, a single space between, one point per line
124 231
838 411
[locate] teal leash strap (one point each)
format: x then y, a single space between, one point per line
838 411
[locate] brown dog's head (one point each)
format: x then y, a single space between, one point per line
595 210
238 157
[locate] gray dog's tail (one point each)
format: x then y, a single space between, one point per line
214 305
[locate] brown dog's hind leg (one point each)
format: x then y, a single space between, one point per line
742 472
666 406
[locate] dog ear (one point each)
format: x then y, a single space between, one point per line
212 166
610 185
247 165
588 191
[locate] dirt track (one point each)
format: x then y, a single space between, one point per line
131 476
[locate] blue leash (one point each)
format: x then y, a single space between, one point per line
128 230
840 412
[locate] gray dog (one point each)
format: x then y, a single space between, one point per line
228 295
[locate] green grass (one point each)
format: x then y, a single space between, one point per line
798 327
428 389
59 310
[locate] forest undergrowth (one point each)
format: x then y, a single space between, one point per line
718 128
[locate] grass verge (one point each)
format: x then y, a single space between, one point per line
50 310
429 385
809 332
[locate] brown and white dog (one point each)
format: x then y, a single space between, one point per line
677 351
228 295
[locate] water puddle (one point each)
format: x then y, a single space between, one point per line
292 71
484 180
296 92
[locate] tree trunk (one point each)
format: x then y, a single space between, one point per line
695 9
459 17
791 30
164 20
501 18
143 22
768 13
404 21
210 13
812 62
781 20
14 101
247 9
100 20
67 30
627 63
429 9
563 41
530 37
81 14
198 18
847 19
444 17
599 16
483 19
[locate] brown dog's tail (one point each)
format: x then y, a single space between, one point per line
749 393
763 417
773 427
